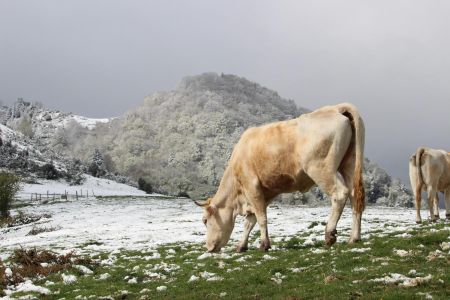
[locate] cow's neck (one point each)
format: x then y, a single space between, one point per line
226 193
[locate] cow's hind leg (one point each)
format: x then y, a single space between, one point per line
355 235
333 185
250 221
431 197
436 206
447 204
418 198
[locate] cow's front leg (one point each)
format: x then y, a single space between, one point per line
261 217
250 221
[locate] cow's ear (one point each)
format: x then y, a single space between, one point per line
211 209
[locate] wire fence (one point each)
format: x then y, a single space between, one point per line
79 194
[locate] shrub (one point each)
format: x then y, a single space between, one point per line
25 127
183 194
95 170
9 186
145 186
49 171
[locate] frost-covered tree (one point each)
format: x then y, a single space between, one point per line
97 166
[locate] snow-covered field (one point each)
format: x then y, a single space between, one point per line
92 225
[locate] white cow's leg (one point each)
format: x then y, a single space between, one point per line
418 197
255 196
436 206
250 221
333 185
338 199
447 204
431 197
355 235
261 217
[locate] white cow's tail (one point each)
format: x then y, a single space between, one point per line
357 124
419 176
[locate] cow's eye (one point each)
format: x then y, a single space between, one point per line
205 221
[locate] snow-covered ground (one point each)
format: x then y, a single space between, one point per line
92 185
144 223
85 122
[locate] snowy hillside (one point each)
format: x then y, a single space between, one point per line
91 186
177 141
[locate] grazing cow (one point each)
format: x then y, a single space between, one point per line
323 148
429 171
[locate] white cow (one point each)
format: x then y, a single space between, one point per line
323 148
429 171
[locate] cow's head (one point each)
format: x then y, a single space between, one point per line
219 222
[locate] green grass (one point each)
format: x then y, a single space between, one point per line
324 273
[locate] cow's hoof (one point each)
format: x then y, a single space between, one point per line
419 222
330 237
433 220
265 245
241 249
436 217
353 240
447 216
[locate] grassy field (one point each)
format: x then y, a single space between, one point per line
398 265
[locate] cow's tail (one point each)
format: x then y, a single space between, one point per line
419 183
358 129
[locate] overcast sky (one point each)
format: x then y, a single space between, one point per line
101 58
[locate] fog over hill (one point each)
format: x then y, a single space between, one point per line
180 141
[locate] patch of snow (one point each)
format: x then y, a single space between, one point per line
401 253
205 255
358 250
171 251
360 269
161 288
297 270
28 286
318 251
132 280
445 246
210 276
403 235
88 123
104 276
68 279
412 272
402 280
268 257
278 278
83 269
193 278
